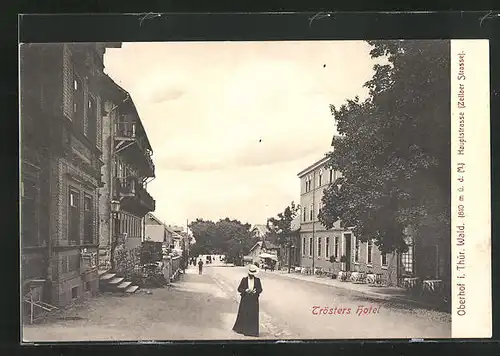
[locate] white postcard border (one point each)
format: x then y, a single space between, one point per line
470 190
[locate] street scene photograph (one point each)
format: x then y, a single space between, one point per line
261 190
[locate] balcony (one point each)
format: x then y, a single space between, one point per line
130 140
134 196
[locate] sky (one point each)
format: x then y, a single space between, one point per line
233 123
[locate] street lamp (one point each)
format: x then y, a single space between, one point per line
115 209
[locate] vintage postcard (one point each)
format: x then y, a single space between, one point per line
262 190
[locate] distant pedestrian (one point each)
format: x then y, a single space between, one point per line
247 321
200 267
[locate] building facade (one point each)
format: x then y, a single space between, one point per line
291 253
60 170
127 169
156 230
335 249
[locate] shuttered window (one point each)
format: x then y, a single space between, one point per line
78 102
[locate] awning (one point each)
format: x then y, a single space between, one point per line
268 255
247 259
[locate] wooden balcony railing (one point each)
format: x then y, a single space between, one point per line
131 187
129 130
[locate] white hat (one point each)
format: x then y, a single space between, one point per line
252 269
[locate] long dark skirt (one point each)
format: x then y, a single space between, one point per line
247 321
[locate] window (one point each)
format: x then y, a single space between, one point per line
336 247
74 217
331 176
356 249
64 264
29 211
319 247
311 212
320 178
91 124
383 260
305 213
88 223
78 100
369 252
73 263
303 246
310 246
74 292
407 261
327 247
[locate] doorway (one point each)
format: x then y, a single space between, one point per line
347 244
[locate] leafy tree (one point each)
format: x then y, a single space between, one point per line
230 237
280 227
394 149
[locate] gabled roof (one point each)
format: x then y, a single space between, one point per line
258 244
127 104
262 229
155 219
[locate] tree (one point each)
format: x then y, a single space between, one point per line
394 149
280 227
231 237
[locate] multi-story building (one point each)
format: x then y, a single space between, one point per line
318 244
426 258
60 170
128 167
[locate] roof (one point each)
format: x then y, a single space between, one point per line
120 94
258 243
313 166
262 229
155 219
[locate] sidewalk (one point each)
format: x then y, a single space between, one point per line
192 308
379 292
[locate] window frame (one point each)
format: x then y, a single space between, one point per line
357 248
386 265
327 247
369 252
319 240
74 194
311 246
78 99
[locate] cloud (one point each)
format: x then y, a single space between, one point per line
232 123
166 95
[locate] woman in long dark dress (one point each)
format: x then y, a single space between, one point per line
247 321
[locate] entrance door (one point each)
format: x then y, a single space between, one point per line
347 244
